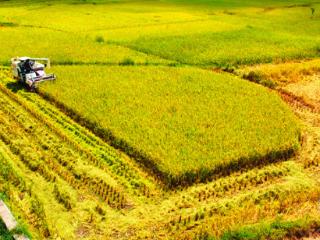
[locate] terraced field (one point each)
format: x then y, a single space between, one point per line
66 182
158 130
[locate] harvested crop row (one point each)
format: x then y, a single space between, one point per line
31 157
99 153
23 194
281 198
37 202
125 171
198 200
232 185
156 215
59 159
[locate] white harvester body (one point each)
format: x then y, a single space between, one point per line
31 71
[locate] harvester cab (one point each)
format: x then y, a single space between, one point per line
30 71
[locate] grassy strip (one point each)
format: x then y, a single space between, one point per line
4 234
278 229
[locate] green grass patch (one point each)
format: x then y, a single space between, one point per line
4 233
188 124
278 229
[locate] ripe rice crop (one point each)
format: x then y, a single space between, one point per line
187 122
223 33
109 150
255 36
237 47
284 73
59 46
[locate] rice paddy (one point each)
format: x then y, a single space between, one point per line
178 119
173 119
217 34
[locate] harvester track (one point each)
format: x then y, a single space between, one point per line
43 152
95 150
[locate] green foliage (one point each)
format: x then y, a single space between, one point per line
8 24
3 196
22 229
7 235
279 229
259 78
4 233
127 62
99 39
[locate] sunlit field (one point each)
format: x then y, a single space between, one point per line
170 119
178 116
226 33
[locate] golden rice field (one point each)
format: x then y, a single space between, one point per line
173 119
177 120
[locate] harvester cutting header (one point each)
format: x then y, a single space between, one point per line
30 71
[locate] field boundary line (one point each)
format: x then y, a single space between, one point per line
297 101
149 25
149 54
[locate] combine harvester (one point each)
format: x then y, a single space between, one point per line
30 71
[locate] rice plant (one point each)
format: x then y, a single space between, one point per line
216 120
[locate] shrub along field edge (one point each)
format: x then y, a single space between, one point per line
278 229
